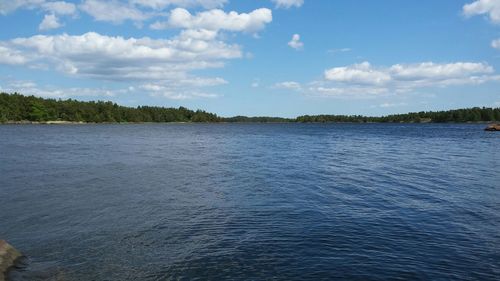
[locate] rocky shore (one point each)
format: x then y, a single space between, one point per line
493 127
42 122
8 256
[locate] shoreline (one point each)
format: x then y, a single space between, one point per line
57 122
20 109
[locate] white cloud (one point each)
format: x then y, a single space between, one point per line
91 55
198 34
59 7
438 72
295 43
366 81
201 82
324 89
175 91
7 6
55 7
362 73
184 95
49 22
288 3
162 4
117 58
480 7
12 57
138 11
496 44
113 11
422 74
290 85
392 104
159 25
217 20
48 91
17 84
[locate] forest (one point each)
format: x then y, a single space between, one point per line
19 108
475 114
16 107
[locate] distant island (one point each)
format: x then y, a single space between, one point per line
17 108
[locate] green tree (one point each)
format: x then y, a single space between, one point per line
38 112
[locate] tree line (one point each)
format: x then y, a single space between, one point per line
17 108
475 114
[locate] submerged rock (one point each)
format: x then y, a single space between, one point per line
493 127
8 255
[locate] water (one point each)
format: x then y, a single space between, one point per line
252 201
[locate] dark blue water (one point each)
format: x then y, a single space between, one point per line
252 201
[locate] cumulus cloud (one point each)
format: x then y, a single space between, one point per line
113 11
295 43
162 4
364 80
118 58
11 57
438 72
217 20
166 63
138 11
59 7
427 73
49 22
288 3
483 7
362 73
96 56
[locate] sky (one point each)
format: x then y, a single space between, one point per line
256 58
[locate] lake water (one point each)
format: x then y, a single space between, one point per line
251 201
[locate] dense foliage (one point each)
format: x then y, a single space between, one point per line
16 107
475 114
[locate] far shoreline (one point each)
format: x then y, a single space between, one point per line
59 122
19 109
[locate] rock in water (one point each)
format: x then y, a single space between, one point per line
493 127
8 255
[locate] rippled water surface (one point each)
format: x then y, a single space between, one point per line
251 201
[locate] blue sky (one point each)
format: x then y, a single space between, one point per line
262 57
